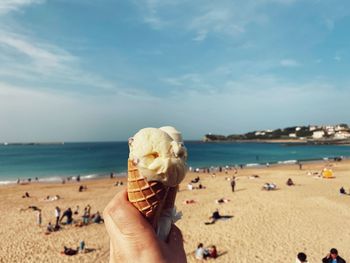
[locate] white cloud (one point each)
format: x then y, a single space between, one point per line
289 63
337 58
201 35
44 56
202 18
7 6
27 58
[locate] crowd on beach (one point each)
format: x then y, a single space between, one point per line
66 217
210 252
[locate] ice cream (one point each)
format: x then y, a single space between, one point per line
159 155
156 166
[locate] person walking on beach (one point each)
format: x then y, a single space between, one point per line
38 218
233 183
333 257
57 214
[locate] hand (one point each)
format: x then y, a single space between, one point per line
132 238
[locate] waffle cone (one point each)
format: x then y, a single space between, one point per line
148 197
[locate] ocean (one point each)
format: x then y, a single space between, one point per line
90 160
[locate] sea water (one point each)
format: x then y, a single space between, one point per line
89 160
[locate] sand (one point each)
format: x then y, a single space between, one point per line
267 226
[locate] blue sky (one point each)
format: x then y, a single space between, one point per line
80 70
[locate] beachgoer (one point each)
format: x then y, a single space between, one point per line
189 201
136 234
300 166
57 214
82 247
38 218
78 178
49 227
214 217
222 200
190 186
111 175
86 215
333 257
290 182
26 195
68 213
301 258
76 210
195 180
97 219
70 251
33 207
213 253
342 191
81 188
233 183
199 252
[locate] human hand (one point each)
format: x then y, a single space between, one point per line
132 238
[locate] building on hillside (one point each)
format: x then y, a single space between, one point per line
342 135
259 133
339 128
318 134
292 135
312 128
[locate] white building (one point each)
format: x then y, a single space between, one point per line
259 133
292 135
312 128
342 135
339 128
297 128
318 134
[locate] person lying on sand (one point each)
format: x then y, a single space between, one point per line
195 180
32 207
222 200
69 251
269 186
189 201
216 216
52 198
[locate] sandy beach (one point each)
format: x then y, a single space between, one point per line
267 226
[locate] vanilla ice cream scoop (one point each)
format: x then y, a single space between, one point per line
159 155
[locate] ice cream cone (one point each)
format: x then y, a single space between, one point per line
148 197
